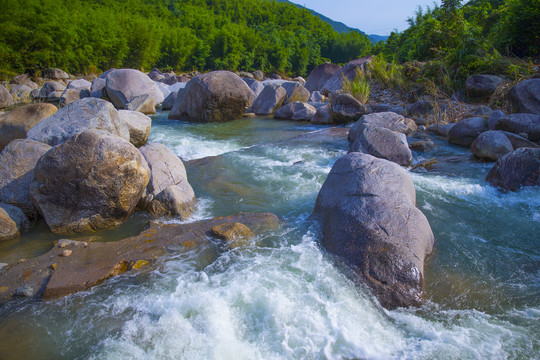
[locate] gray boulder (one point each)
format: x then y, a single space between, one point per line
344 108
482 86
93 181
6 100
316 96
388 120
255 86
17 163
143 104
525 97
367 211
516 169
123 85
156 75
88 113
442 130
465 131
49 88
295 111
168 192
214 96
269 100
21 94
383 143
349 71
69 96
295 92
81 85
322 116
494 118
168 103
139 126
13 222
491 145
521 123
320 75
518 141
55 74
16 123
258 75
98 87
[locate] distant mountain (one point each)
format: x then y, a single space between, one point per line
339 26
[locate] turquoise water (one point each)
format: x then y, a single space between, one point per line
283 297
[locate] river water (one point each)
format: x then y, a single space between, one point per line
283 297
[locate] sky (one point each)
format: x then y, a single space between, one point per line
371 16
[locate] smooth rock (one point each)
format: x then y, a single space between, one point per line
491 145
494 118
168 103
143 104
465 131
525 97
344 108
123 85
388 120
295 111
521 123
55 73
322 116
255 86
295 92
320 75
13 222
316 96
258 75
383 143
269 100
16 123
139 126
6 100
519 168
49 88
482 86
422 146
235 234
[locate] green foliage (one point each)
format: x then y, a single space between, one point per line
358 87
389 75
79 35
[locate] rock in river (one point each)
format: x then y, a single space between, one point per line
123 85
516 169
367 211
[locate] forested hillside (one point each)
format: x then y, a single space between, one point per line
89 35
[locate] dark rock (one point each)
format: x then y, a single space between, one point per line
296 111
367 210
214 96
525 97
344 108
494 118
421 146
442 130
483 111
465 131
383 143
519 141
275 77
320 75
322 116
269 100
482 86
516 169
168 103
16 123
521 123
98 87
491 145
90 182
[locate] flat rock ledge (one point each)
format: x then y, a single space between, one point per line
73 266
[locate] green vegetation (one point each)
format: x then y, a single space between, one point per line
82 36
358 87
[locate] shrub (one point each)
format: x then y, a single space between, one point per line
358 87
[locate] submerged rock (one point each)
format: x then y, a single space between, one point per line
516 169
367 211
211 97
92 181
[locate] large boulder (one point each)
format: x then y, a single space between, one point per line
296 111
491 145
92 181
143 104
123 85
320 75
168 103
98 87
139 126
21 94
516 169
367 211
482 86
168 192
295 92
214 96
519 142
525 97
16 123
349 71
88 113
81 85
17 163
13 222
322 116
389 120
269 100
344 108
383 143
6 100
465 131
55 74
156 75
49 88
521 124
68 96
255 86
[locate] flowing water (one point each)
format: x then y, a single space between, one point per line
283 297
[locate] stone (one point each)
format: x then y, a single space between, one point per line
421 111
344 108
139 126
442 130
269 100
389 120
483 111
140 264
295 111
21 94
316 96
300 80
6 100
92 181
322 116
17 163
16 123
123 85
494 118
349 71
295 92
54 97
55 74
69 96
519 141
25 291
525 97
20 79
143 104
168 192
367 211
258 75
255 86
491 145
81 85
13 222
156 75
320 75
519 168
383 143
168 103
66 253
465 131
212 97
275 77
98 87
49 88
87 113
234 233
482 86
521 123
245 74
422 146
